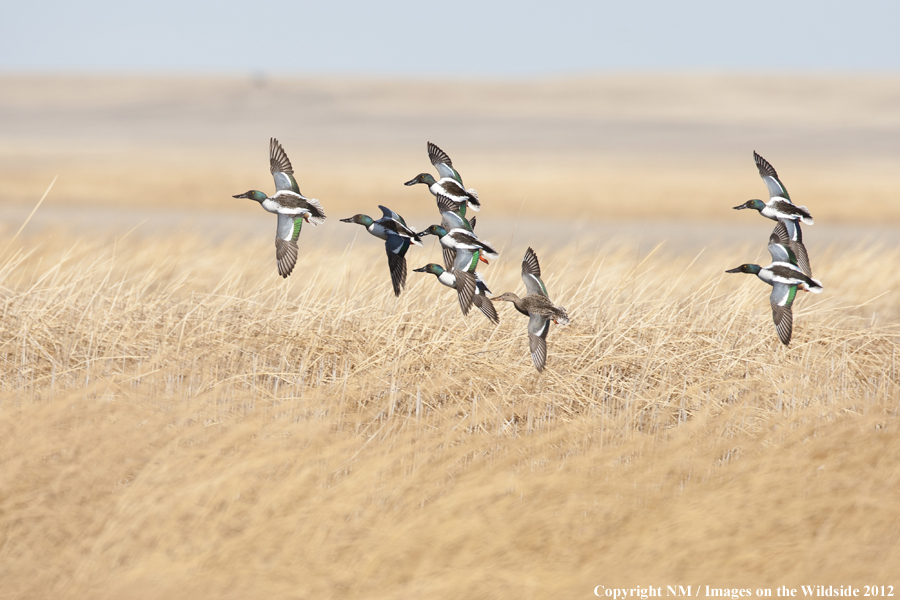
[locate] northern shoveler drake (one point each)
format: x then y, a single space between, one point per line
461 239
397 236
450 184
479 298
786 278
780 208
289 204
537 306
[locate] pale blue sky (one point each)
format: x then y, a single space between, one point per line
469 37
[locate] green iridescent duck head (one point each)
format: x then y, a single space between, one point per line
434 230
751 269
425 178
430 268
364 220
253 195
754 204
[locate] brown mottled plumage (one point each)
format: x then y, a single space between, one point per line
537 305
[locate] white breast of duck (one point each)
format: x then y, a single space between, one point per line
448 279
270 205
378 230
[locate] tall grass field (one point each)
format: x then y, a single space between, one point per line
178 421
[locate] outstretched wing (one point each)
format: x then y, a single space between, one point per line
286 235
782 298
770 177
531 274
442 162
788 233
278 160
538 327
446 204
486 307
780 234
781 251
802 258
449 257
784 319
281 168
465 289
285 255
389 214
396 247
451 214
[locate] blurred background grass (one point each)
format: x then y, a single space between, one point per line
656 147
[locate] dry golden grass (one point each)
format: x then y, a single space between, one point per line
177 421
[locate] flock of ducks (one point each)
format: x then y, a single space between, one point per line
463 251
790 268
